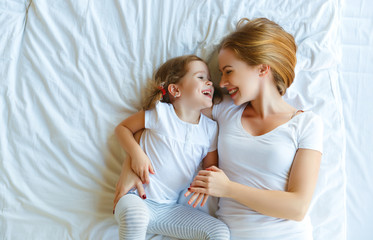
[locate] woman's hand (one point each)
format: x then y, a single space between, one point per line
127 180
141 165
211 181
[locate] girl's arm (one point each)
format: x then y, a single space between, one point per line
210 160
290 204
140 163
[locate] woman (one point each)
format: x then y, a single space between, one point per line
269 152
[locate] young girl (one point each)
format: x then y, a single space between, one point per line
176 138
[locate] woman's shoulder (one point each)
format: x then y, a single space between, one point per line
309 120
308 115
226 106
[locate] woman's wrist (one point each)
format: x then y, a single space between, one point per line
234 190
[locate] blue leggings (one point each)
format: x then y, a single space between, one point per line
136 217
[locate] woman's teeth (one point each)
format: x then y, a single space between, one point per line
232 91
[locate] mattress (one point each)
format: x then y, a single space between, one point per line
72 70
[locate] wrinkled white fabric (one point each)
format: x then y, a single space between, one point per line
70 71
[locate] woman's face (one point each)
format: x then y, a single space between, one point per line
240 79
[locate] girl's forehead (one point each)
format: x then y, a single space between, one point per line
198 66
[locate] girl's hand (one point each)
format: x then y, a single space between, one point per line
141 165
127 180
211 181
197 197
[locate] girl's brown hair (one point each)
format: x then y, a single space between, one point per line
171 72
261 41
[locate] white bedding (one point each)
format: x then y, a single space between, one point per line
356 83
72 70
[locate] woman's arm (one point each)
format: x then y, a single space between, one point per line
290 204
210 160
140 163
128 179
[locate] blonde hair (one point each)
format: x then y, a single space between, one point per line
262 41
171 72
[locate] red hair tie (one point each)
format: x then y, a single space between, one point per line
162 89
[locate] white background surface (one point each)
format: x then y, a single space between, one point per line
356 84
75 69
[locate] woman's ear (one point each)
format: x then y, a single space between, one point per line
174 90
263 70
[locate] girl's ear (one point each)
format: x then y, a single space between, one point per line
263 70
174 90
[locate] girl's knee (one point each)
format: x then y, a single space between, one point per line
220 232
132 210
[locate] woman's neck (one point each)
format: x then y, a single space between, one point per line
270 102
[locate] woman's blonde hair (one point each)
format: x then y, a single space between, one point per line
171 72
261 41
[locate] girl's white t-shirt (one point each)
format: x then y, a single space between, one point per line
175 149
262 162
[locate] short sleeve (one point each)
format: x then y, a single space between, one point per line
152 116
213 137
217 110
311 135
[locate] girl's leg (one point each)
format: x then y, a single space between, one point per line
132 215
186 223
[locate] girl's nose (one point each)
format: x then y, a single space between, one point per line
209 83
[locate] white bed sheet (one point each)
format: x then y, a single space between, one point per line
356 82
72 70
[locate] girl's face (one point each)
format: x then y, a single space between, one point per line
196 86
240 79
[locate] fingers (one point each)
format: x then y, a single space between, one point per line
198 183
214 169
118 195
199 198
187 193
140 190
198 190
209 170
204 173
151 169
145 178
193 198
205 197
201 178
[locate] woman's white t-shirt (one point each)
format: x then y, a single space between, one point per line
175 149
262 162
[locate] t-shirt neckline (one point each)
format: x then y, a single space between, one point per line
239 123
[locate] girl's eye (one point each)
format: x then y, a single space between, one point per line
200 78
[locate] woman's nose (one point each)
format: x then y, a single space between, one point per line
223 82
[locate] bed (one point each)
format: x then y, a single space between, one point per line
72 70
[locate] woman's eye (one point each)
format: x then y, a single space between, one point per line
228 72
